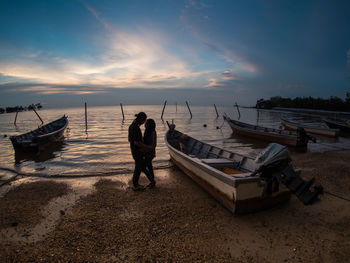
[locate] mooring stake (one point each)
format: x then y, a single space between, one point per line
239 114
37 114
121 107
86 126
217 114
163 110
189 109
16 118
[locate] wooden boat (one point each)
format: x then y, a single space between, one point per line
297 139
241 183
343 126
41 137
319 129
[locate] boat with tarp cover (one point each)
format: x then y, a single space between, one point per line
241 183
316 128
342 125
298 139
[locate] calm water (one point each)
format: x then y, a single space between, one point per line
105 149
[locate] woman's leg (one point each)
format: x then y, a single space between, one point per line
149 167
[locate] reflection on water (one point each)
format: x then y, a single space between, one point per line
105 148
48 153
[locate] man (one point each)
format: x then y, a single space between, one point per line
137 150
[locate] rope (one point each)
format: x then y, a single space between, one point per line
75 175
223 122
333 146
9 180
337 196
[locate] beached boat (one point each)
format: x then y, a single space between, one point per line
297 139
343 126
241 183
319 128
41 137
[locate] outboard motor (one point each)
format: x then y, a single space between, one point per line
274 168
274 153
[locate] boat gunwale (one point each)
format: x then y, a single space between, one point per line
56 131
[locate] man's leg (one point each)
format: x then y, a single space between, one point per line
137 172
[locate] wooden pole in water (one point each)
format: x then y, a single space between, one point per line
239 114
37 114
16 118
121 107
176 106
163 110
189 109
217 114
86 126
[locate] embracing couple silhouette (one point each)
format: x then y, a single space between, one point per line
143 149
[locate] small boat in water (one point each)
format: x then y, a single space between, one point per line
298 139
343 126
319 128
41 137
241 183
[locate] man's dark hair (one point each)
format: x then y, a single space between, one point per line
141 116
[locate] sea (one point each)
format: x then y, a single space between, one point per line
101 148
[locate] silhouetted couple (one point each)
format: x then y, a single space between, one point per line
143 149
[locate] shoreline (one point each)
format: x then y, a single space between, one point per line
103 220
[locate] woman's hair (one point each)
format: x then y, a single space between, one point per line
151 125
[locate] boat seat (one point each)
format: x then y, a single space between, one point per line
212 161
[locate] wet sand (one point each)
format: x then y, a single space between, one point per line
103 220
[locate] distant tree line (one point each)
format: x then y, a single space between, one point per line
20 108
331 104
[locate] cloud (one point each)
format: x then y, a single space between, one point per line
195 21
142 58
138 59
44 89
195 4
128 60
97 15
224 80
228 75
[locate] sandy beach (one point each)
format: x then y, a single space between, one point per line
102 220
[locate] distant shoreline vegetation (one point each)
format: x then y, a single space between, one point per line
331 104
20 108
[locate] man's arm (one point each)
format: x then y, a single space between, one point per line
143 147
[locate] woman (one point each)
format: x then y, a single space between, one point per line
150 139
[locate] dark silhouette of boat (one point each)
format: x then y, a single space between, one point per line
40 138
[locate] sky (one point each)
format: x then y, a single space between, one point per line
66 52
